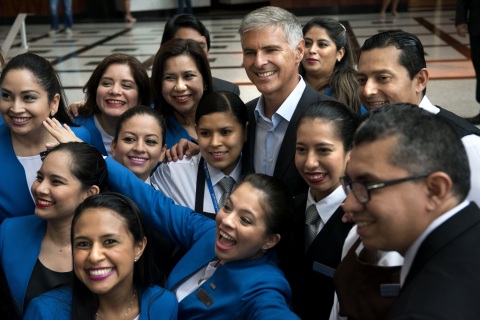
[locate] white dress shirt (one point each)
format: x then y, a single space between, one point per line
327 206
178 181
472 146
269 133
106 138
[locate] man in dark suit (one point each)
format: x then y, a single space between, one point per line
406 183
467 20
187 26
273 46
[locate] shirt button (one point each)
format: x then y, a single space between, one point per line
270 160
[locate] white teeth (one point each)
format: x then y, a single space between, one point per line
20 119
362 224
376 104
44 202
115 102
317 176
218 153
266 74
182 98
100 272
138 159
226 236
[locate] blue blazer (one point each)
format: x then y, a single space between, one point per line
15 198
252 289
95 135
20 243
174 131
155 303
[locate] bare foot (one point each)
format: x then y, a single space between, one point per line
129 18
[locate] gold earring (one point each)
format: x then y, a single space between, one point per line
52 113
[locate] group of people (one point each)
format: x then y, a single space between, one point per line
292 205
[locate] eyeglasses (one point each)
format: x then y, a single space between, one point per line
361 190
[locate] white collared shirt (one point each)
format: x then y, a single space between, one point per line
178 181
106 138
269 133
472 146
327 206
412 250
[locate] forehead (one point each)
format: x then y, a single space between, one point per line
371 159
100 221
23 76
263 37
116 69
141 123
181 62
317 32
377 59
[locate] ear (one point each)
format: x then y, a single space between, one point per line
91 191
162 154
54 104
140 247
113 146
439 187
421 79
347 156
299 51
340 54
271 241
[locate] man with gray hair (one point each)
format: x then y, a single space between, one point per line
273 47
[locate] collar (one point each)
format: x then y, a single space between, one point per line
412 251
287 108
327 206
216 175
427 105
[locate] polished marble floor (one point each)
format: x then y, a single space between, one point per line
452 81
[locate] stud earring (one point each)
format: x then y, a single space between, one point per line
135 260
52 113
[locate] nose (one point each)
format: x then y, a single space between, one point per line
351 203
139 146
260 59
216 140
96 253
313 48
115 89
228 220
180 85
311 161
16 106
369 88
40 188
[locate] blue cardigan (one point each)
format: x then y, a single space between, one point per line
15 198
156 303
95 135
20 243
251 289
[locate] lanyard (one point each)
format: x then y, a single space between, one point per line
210 187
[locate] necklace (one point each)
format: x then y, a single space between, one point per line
98 315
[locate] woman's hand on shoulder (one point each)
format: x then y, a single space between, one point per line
182 148
73 108
62 133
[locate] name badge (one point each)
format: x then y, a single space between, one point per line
323 269
204 297
390 290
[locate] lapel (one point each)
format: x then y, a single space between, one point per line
441 236
249 147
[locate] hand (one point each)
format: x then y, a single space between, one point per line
462 29
347 217
73 108
182 148
61 133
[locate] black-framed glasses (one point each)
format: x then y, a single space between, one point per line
361 190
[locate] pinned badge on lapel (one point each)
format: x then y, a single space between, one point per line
204 297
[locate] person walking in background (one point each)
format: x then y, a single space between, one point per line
181 6
385 4
67 13
128 14
465 22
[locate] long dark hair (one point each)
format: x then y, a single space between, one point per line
343 81
84 302
174 48
45 75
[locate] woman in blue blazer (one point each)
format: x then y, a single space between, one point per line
230 268
35 250
112 260
31 93
117 84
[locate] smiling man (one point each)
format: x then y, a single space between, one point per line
273 47
406 184
392 69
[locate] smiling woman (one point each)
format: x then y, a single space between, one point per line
230 268
31 92
117 84
39 258
180 77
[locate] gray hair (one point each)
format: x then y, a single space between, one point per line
273 16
